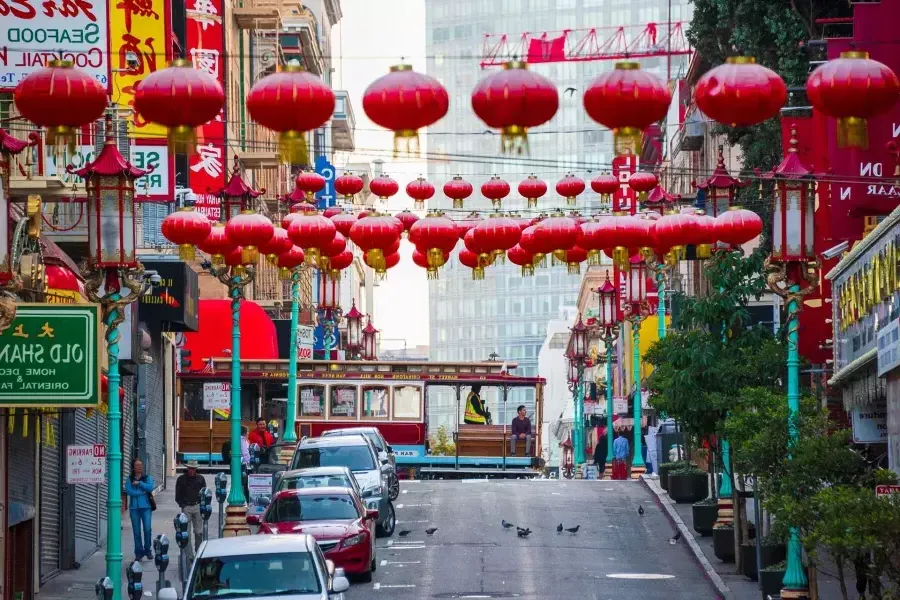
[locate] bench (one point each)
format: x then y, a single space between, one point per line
193 436
488 440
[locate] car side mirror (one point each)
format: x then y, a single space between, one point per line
340 583
167 594
254 520
372 514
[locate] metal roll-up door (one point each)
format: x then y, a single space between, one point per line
50 538
89 499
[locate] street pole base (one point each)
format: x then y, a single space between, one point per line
726 513
636 472
235 522
607 472
787 594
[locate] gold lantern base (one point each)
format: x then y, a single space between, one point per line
292 147
514 140
182 140
852 132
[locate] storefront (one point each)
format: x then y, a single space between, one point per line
866 305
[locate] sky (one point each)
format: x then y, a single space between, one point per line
370 38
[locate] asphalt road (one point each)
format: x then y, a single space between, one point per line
616 553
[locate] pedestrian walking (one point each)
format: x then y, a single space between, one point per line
187 497
621 450
600 451
139 489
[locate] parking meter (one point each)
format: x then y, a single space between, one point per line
135 575
255 452
206 496
221 493
273 428
104 588
161 560
182 537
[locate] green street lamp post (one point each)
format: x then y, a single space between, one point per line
290 417
608 321
636 310
578 355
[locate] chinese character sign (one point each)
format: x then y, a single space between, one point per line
624 198
35 32
205 46
137 30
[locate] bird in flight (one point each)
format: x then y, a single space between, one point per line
640 510
570 91
573 530
675 538
431 530
559 528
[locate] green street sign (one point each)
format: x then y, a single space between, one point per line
50 356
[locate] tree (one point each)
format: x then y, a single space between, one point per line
441 444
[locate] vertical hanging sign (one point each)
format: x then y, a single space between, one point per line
205 46
624 198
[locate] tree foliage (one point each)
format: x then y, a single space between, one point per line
441 443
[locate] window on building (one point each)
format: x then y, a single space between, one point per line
312 401
407 402
375 402
152 214
342 401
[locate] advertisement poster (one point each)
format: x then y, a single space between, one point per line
312 402
344 402
35 32
205 46
155 185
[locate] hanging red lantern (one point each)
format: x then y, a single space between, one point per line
389 262
522 258
309 184
405 101
469 259
392 248
529 243
737 226
740 93
217 244
235 260
348 185
366 212
570 187
642 183
61 99
249 230
625 235
497 234
277 245
343 222
339 263
593 240
522 221
675 231
555 235
457 189
332 211
336 246
419 190
420 259
291 102
436 236
464 225
180 98
312 232
383 186
605 185
574 257
852 89
373 234
707 235
288 261
514 100
408 218
532 189
495 190
484 253
187 228
627 100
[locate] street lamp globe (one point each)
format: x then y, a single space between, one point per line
579 343
328 291
608 294
368 341
636 282
354 330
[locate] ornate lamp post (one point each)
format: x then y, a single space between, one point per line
354 342
608 320
112 264
636 310
792 268
329 311
369 335
291 263
578 354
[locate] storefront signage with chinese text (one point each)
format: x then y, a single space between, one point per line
49 356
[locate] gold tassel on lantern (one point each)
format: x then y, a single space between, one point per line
478 274
335 274
182 140
852 132
499 257
312 256
375 259
249 255
574 268
627 140
528 270
324 263
435 257
620 257
432 273
538 260
406 142
593 258
239 270
292 147
704 251
186 252
514 139
559 257
485 260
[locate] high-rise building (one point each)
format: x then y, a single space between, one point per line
507 314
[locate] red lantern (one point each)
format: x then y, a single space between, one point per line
605 185
312 232
740 93
627 100
405 101
707 235
348 185
852 89
421 259
390 261
310 184
514 100
288 261
436 236
484 253
336 246
570 187
495 190
180 98
419 190
497 234
235 260
249 230
529 243
521 257
61 99
187 228
457 189
593 240
383 186
532 189
555 235
469 259
217 244
675 230
574 257
291 102
464 225
408 219
340 262
343 222
738 226
332 211
276 246
372 235
625 234
642 183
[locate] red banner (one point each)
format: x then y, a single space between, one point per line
205 49
542 49
622 168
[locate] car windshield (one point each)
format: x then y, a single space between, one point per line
314 481
370 435
355 458
280 574
293 509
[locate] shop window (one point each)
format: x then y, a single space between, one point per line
312 401
375 402
407 402
343 402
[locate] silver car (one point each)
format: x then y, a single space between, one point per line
385 452
358 454
291 567
313 478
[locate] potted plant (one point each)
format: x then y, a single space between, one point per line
688 485
723 543
771 551
666 468
704 514
770 579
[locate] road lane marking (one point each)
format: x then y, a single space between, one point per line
422 547
414 505
405 492
399 506
381 586
399 522
644 576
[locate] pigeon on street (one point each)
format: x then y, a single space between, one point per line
675 538
573 530
640 510
559 528
522 533
404 533
506 525
431 530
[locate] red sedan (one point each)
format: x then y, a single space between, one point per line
335 517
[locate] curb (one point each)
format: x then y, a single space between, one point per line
688 537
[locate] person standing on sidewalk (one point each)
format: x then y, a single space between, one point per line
139 488
187 497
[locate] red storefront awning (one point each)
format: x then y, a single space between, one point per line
213 339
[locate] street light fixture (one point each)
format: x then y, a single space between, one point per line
578 354
354 343
636 310
369 335
608 317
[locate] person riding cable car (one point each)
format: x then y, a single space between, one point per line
476 412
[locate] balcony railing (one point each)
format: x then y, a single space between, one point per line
343 124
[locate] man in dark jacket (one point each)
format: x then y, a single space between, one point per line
187 497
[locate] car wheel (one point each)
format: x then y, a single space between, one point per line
394 487
365 577
386 527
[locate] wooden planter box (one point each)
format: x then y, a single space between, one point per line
723 543
687 489
704 516
770 555
770 582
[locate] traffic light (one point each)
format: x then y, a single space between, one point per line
185 358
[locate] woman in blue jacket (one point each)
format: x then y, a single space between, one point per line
139 487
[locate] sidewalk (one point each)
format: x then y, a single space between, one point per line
78 584
732 586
